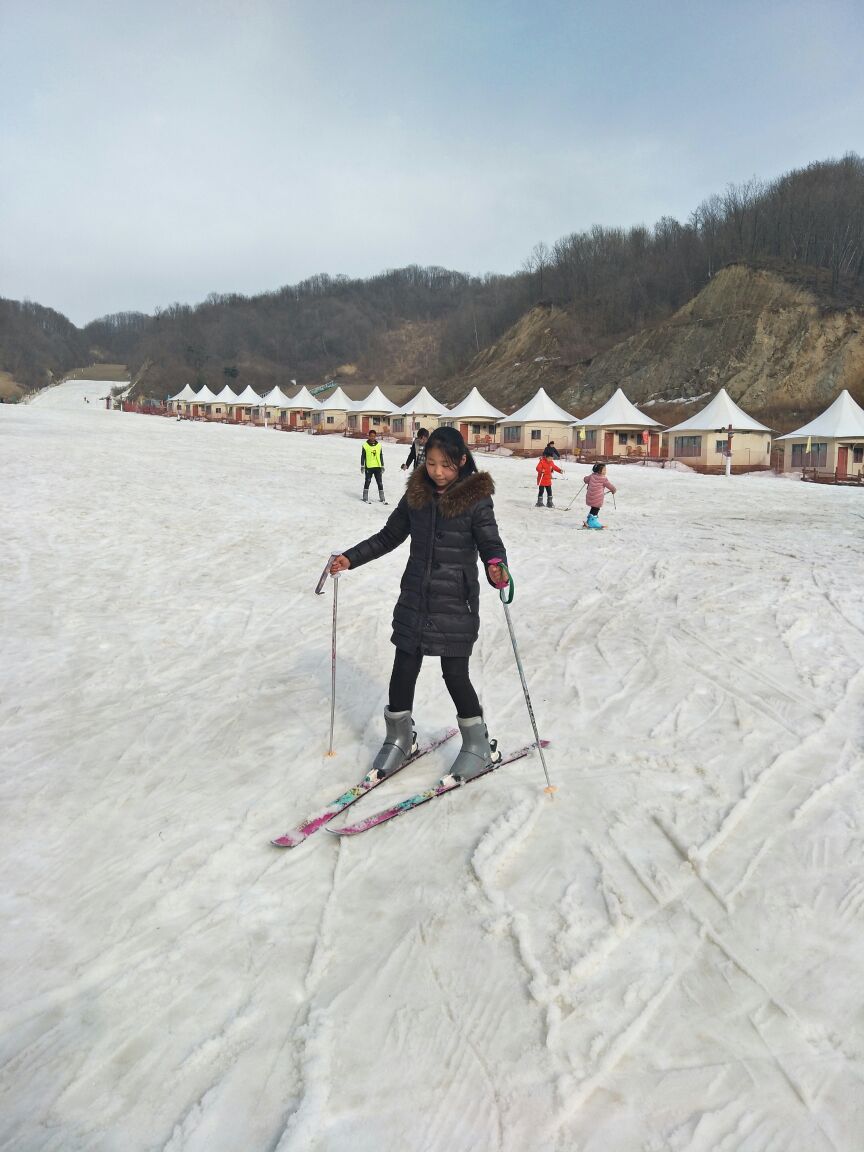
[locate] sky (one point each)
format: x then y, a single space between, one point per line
155 152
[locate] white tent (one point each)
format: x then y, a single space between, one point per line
845 417
204 396
474 407
541 408
248 397
832 443
226 396
702 440
337 401
376 402
618 411
717 415
186 393
424 403
304 401
276 398
332 413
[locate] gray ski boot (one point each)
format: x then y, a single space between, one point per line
381 496
365 495
400 742
477 753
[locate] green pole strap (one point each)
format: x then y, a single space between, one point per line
509 592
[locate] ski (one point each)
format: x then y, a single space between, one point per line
319 819
424 797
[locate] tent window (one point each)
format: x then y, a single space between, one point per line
688 446
329 419
512 433
536 433
858 453
622 438
817 457
720 447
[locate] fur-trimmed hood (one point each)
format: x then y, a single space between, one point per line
456 500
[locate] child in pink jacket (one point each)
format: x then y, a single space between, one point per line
595 492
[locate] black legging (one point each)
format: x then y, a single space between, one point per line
454 669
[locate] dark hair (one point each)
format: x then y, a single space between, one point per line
450 442
422 431
598 467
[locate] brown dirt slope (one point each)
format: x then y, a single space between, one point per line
777 346
10 389
546 348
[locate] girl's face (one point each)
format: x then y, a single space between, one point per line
440 470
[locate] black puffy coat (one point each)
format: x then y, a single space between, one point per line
437 612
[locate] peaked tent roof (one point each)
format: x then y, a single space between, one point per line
539 407
618 410
205 396
186 393
474 405
337 401
227 395
303 400
717 415
276 398
845 417
248 396
424 402
376 401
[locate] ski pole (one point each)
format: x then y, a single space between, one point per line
507 592
319 591
573 501
614 505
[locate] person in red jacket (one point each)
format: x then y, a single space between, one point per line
545 467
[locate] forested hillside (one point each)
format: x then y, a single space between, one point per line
553 321
37 345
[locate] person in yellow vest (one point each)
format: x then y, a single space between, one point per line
372 463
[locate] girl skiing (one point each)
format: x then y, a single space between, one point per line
545 467
447 511
595 492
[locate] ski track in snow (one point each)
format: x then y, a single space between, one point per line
665 957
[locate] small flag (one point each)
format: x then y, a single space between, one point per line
807 449
583 435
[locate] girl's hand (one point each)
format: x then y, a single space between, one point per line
340 564
496 575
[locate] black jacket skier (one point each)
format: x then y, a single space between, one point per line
437 609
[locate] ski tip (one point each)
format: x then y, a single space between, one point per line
285 842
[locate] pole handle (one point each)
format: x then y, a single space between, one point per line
508 585
319 587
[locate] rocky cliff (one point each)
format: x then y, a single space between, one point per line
782 348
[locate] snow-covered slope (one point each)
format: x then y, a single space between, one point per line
666 957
